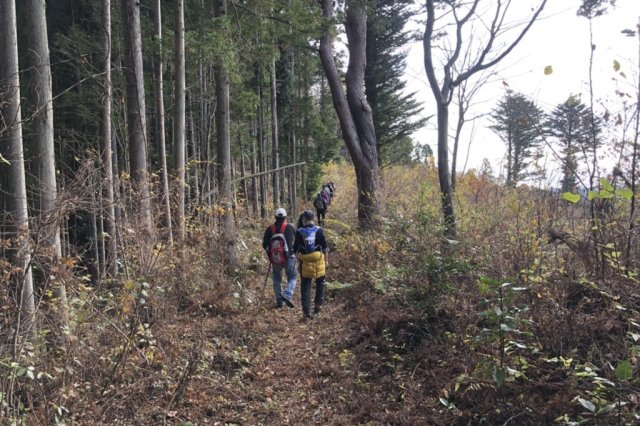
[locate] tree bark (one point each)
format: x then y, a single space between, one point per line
262 165
275 157
196 158
160 125
179 117
225 194
136 113
12 150
46 191
353 110
243 173
254 182
111 266
456 141
444 177
293 190
442 97
293 119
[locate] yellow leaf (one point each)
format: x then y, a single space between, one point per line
548 70
616 65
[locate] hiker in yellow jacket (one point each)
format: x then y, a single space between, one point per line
311 246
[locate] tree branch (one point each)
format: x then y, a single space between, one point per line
479 66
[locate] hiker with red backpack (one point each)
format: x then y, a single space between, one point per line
311 247
278 241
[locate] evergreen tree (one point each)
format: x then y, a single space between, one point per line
570 124
517 121
422 152
394 110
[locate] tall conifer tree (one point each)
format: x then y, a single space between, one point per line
517 122
395 111
570 124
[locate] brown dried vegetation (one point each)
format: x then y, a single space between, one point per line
407 335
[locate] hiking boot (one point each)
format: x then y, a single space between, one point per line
317 310
288 301
278 306
307 317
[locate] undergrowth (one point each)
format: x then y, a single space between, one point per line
514 322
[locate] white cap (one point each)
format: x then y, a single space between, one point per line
281 212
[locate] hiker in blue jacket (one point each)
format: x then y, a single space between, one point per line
311 247
282 228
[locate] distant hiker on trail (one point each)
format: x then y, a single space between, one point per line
330 187
324 193
321 208
311 247
278 241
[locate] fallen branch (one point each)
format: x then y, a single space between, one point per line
240 179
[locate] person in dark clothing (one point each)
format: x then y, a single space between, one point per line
326 196
321 209
330 188
311 246
289 231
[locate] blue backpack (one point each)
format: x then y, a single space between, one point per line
309 235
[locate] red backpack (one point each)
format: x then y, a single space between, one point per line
278 249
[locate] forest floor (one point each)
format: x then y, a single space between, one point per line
269 366
370 358
283 370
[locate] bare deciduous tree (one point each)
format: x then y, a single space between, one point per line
487 52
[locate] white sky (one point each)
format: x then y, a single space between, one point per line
559 39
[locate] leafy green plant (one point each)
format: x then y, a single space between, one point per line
608 191
603 397
504 319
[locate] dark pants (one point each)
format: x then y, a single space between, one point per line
305 294
321 213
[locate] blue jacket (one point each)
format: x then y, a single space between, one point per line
321 241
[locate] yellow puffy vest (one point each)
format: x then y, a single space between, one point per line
312 265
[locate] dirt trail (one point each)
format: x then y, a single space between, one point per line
268 366
298 364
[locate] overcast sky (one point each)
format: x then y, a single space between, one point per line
559 39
